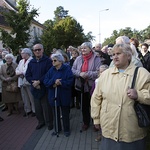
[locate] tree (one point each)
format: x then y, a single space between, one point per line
89 37
19 22
63 31
141 36
68 32
146 33
48 36
60 13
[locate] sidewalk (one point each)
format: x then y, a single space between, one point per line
18 133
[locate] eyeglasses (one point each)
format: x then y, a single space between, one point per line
35 50
54 60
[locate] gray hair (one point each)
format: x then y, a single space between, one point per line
9 56
123 40
27 51
41 46
58 56
59 51
5 52
125 48
88 44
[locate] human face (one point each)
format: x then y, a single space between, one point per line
38 51
85 50
120 59
9 60
57 64
144 49
24 55
97 47
74 54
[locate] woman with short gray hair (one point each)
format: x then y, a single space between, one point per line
85 69
27 97
59 79
58 56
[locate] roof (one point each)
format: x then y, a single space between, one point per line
2 20
12 6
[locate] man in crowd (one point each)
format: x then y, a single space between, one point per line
37 68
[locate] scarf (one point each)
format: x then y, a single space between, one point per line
86 60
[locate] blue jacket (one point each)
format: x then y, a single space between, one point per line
36 71
64 90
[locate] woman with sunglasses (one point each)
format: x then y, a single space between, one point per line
60 78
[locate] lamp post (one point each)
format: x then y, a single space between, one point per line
99 24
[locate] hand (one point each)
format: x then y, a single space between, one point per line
97 126
38 87
132 93
83 75
57 82
35 83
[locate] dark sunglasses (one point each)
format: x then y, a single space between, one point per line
54 60
35 50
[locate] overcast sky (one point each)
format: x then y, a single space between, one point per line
92 16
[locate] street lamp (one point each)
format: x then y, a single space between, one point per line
99 24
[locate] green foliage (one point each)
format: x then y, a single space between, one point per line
146 33
48 36
68 32
19 22
60 13
140 35
63 31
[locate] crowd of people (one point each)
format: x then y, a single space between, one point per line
96 80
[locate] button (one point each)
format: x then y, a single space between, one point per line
119 105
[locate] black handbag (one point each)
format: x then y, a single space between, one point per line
142 111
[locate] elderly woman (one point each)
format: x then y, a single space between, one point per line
59 80
113 108
27 97
8 76
85 69
135 58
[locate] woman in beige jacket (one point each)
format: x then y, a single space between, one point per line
113 99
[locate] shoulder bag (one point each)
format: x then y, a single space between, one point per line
142 111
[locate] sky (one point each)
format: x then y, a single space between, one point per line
92 14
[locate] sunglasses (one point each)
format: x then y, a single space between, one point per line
54 60
35 50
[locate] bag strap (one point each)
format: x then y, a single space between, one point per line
134 77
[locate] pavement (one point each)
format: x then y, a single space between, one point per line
18 133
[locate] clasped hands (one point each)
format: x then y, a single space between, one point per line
84 75
57 82
36 84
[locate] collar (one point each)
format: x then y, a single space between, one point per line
128 71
